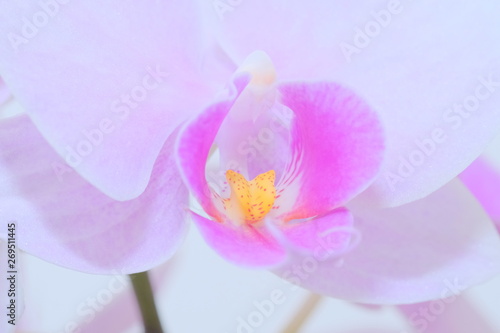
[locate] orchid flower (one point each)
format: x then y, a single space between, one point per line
297 222
372 125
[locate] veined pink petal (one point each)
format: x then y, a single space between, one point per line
244 245
63 219
195 142
107 86
331 233
437 88
483 180
338 143
410 253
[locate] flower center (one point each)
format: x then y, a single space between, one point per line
250 200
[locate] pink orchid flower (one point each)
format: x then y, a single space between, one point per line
296 222
106 94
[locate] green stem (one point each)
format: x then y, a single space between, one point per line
300 318
146 302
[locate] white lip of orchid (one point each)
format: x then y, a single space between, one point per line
261 68
250 201
261 86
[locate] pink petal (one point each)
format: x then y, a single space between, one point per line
483 180
74 71
195 142
412 77
64 220
303 50
333 231
339 141
244 245
408 254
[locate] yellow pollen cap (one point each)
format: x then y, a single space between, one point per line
251 200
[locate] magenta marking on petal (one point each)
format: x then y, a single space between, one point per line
337 144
